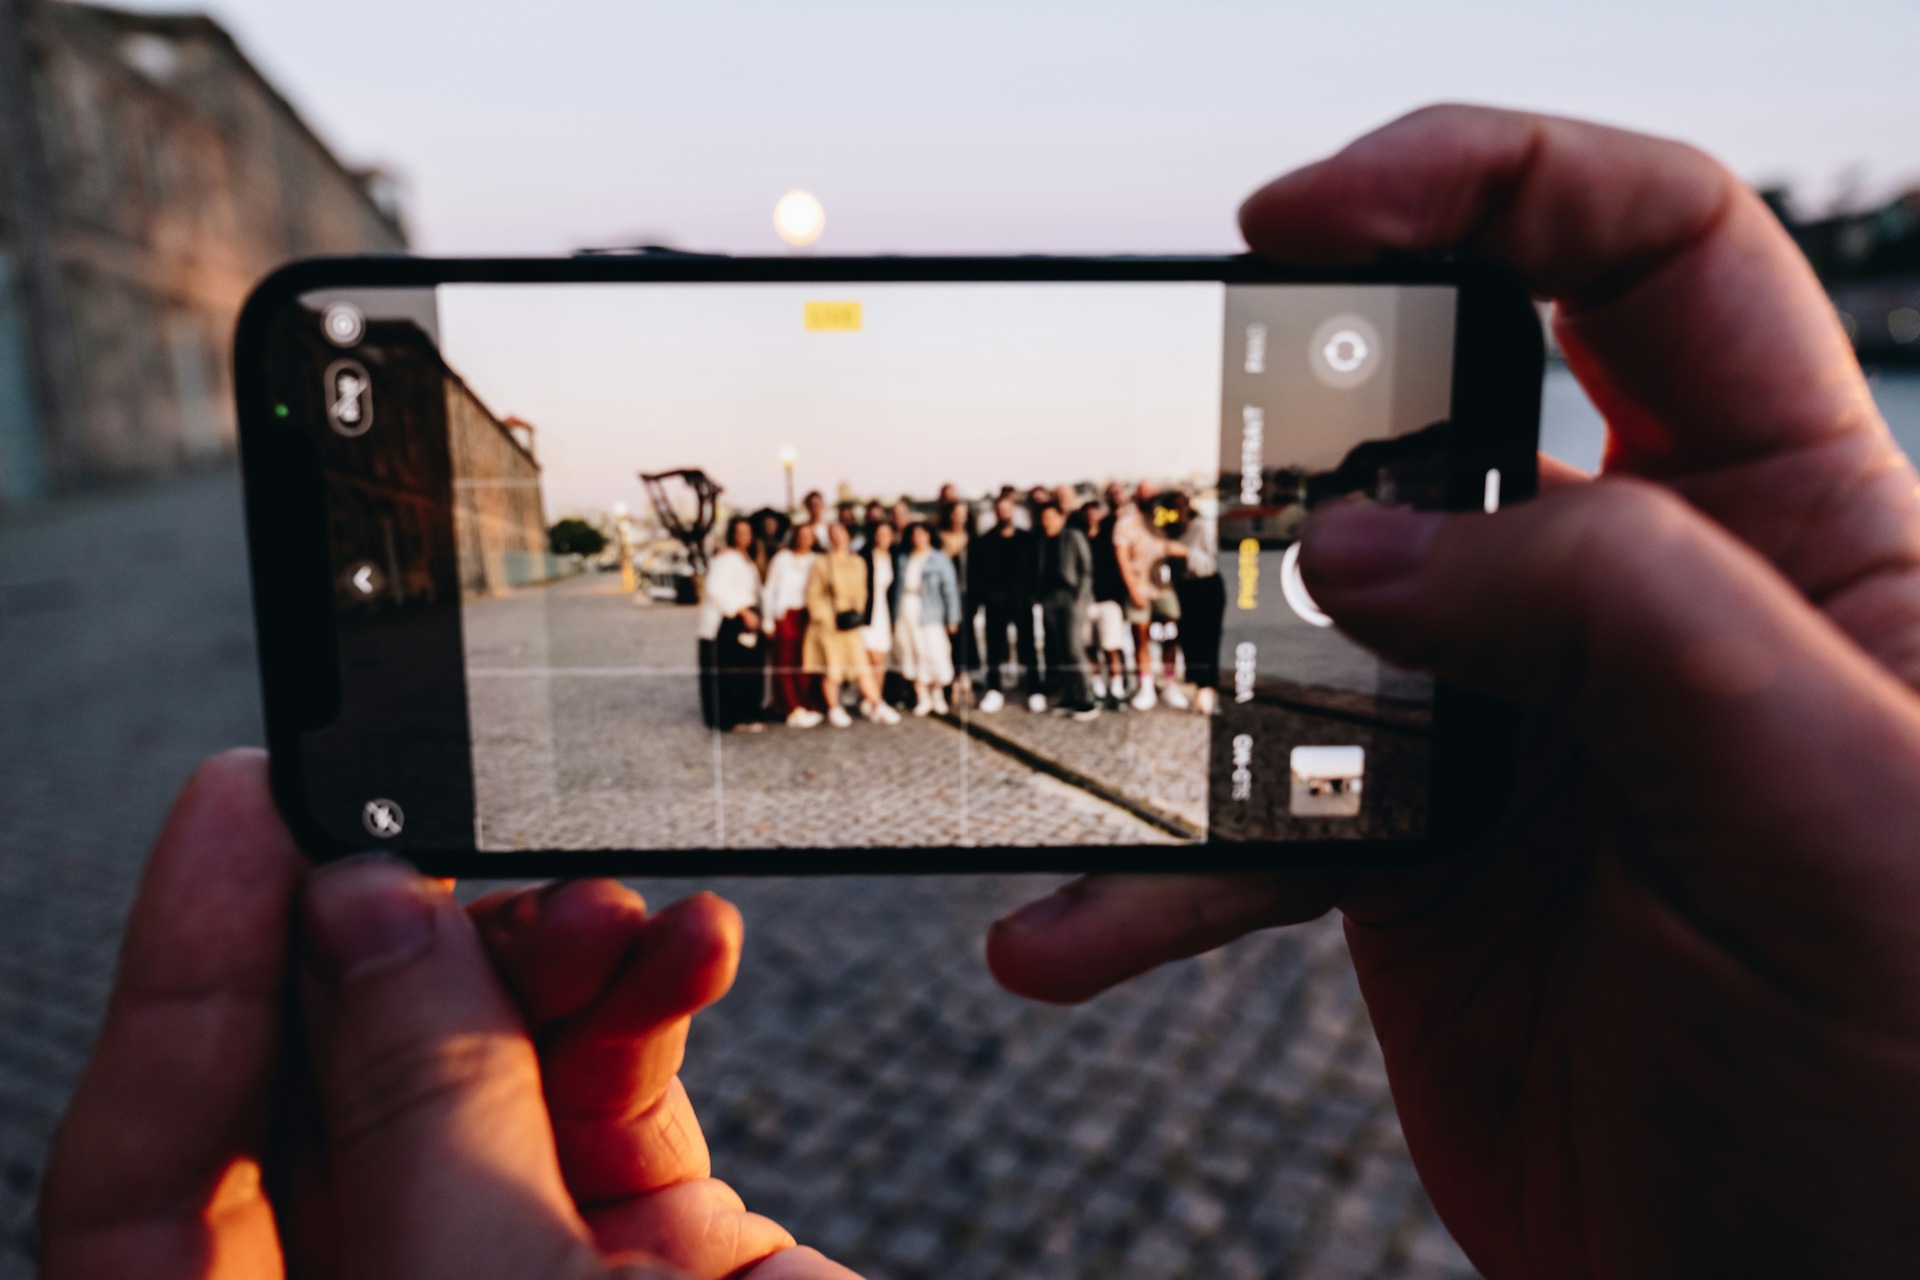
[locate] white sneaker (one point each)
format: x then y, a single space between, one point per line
801 718
881 713
940 707
1176 697
992 702
1037 703
838 718
1206 702
1099 688
1144 700
922 705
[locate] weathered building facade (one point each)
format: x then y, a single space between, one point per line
149 175
499 516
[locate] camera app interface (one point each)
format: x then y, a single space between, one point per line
872 565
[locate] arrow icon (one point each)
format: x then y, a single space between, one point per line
365 578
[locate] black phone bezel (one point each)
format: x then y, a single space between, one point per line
1499 360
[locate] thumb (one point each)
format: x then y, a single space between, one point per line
1721 701
443 1156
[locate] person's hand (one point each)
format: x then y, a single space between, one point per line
420 1145
610 991
1668 1023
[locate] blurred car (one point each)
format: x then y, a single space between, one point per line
666 573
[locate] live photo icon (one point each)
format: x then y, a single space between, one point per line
1326 781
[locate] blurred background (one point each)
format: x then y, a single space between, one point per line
865 1083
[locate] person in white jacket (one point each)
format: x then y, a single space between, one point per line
783 609
731 657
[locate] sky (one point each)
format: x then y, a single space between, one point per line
975 384
1025 125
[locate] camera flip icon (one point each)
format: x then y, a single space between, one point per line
1345 352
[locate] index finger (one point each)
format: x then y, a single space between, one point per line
1683 306
610 991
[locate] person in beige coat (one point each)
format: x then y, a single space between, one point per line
836 615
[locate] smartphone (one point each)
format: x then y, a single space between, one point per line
669 563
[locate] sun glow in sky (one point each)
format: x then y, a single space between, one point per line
1004 125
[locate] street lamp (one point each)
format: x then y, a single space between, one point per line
623 534
788 454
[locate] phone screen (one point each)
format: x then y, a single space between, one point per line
716 566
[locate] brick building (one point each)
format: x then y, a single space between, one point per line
149 175
498 513
450 506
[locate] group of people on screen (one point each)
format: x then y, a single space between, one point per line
1071 605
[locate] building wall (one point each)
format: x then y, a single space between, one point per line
175 178
22 469
499 518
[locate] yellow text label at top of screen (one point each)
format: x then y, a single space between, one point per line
833 317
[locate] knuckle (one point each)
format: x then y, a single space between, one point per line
1449 114
1613 525
1613 542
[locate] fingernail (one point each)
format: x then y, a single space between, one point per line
364 913
1044 914
1358 544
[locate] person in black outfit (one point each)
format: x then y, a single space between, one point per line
732 663
1111 635
953 535
1195 547
1065 582
1000 573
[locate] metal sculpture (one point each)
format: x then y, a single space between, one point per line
691 534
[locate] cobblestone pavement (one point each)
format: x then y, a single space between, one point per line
865 1082
1155 758
587 731
126 636
1228 1117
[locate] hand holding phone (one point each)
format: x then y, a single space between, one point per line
433 1133
1650 1027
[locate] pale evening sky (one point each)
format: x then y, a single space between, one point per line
977 384
1010 125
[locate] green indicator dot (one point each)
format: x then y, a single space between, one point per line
281 411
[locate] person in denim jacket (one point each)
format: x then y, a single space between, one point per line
925 604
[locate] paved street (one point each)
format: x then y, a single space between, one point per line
586 719
587 731
865 1082
1154 759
